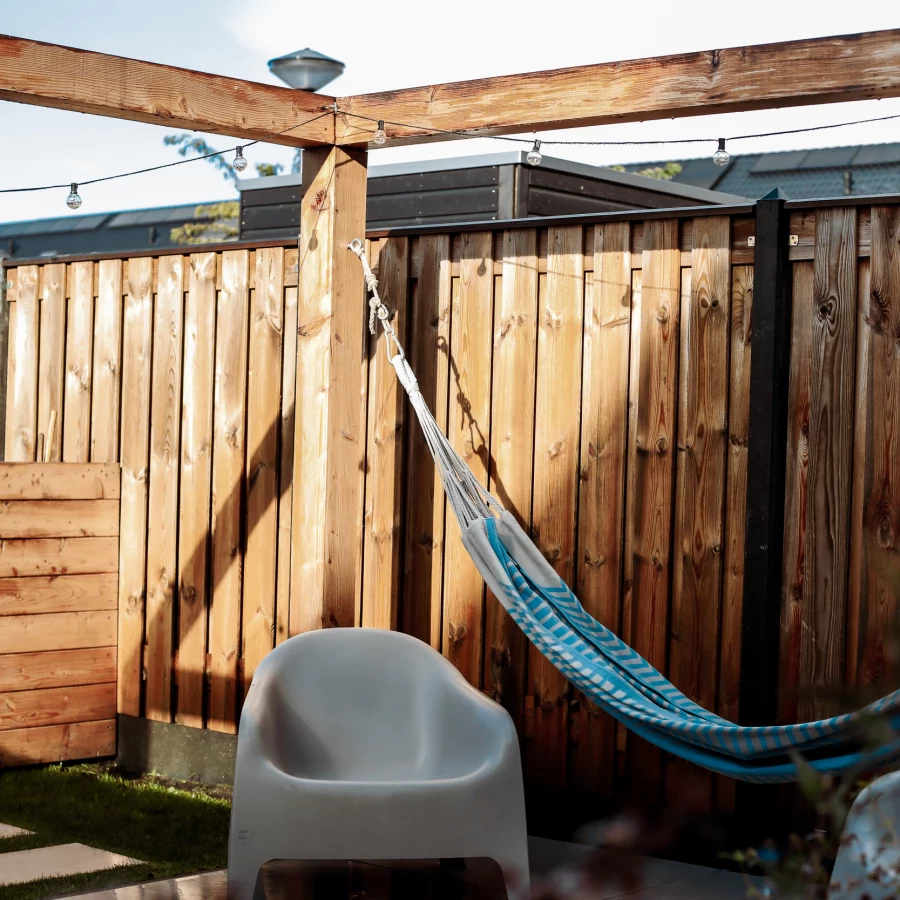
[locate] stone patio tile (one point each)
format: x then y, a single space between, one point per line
49 862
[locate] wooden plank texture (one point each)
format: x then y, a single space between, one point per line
330 413
195 487
428 352
57 668
22 388
56 743
263 426
879 560
57 706
830 459
228 488
58 556
107 363
796 493
286 466
601 509
162 528
58 481
58 518
736 490
52 364
84 81
700 487
58 593
79 365
512 443
557 429
469 432
137 343
382 521
58 631
819 70
654 396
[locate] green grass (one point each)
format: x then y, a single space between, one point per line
174 831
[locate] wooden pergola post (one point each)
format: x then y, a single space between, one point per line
330 410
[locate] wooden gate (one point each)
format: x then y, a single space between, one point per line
59 560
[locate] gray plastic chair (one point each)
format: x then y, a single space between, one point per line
867 862
357 743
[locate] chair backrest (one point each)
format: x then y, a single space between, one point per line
367 705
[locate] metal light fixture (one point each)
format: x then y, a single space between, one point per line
306 70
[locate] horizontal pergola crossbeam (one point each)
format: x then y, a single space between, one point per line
793 73
83 81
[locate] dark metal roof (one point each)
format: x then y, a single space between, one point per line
825 172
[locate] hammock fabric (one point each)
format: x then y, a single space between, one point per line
602 666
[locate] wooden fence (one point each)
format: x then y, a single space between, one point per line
59 529
596 378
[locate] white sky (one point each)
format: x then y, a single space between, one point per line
395 43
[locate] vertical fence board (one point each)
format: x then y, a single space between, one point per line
9 430
263 426
469 430
194 495
879 559
556 446
735 508
286 466
136 382
831 454
700 485
162 529
429 348
654 396
79 358
22 394
383 497
796 491
228 488
51 376
512 442
107 363
604 429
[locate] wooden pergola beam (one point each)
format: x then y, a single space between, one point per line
83 81
793 73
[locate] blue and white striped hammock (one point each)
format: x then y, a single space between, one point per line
602 666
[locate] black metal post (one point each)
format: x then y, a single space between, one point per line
770 370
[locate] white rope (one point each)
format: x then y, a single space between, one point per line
467 496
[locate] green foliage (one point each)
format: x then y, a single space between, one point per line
663 173
217 223
187 144
264 170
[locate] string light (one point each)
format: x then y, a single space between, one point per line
535 156
721 157
239 163
720 154
73 201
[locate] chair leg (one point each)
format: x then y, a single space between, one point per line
243 871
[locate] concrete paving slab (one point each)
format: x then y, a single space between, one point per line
49 862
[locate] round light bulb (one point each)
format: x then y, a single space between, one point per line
239 163
721 157
535 156
380 136
73 201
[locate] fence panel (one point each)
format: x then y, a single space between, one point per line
59 529
595 376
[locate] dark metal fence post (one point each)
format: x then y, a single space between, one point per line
766 463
